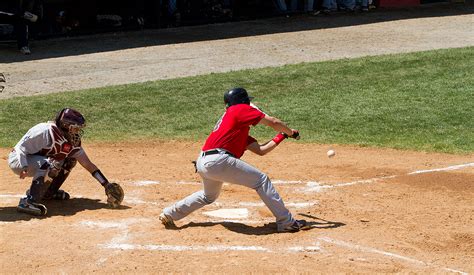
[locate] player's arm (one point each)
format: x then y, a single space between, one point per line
85 162
113 190
263 149
277 125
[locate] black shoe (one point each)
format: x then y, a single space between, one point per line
326 11
27 206
296 226
167 221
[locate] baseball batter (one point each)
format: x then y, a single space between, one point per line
219 161
47 153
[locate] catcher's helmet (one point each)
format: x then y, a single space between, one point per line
236 96
71 123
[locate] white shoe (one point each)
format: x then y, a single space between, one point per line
30 17
167 221
25 50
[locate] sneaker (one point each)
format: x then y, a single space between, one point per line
296 226
30 17
25 50
327 11
167 221
27 206
365 9
60 195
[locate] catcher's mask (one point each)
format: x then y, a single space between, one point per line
71 122
236 96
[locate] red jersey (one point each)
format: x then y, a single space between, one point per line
231 132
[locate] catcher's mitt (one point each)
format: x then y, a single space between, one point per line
114 194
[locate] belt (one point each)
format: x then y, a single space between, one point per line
215 151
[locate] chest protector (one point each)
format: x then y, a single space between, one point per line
61 148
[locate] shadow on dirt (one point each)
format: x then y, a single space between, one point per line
56 208
134 39
267 229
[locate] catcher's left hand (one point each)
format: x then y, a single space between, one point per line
114 194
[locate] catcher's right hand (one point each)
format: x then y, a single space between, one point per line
114 194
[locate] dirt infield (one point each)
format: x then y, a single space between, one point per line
372 210
368 212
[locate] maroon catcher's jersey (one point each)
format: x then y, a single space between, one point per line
46 139
61 148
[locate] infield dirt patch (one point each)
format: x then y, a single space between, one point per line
369 214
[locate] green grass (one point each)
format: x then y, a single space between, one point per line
420 101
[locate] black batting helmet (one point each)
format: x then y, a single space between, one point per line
236 96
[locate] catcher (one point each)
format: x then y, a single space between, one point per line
47 153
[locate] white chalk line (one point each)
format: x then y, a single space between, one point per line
122 225
385 253
119 241
449 168
210 248
9 196
137 201
145 182
314 186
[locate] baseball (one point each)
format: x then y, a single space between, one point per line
331 153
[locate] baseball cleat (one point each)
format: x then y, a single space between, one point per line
167 221
25 50
32 208
296 226
30 16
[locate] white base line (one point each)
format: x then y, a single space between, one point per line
450 168
209 248
389 254
317 187
8 196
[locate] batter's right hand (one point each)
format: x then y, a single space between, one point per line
295 134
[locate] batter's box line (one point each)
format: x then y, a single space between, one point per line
210 248
314 186
371 250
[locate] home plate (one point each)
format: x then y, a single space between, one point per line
234 213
